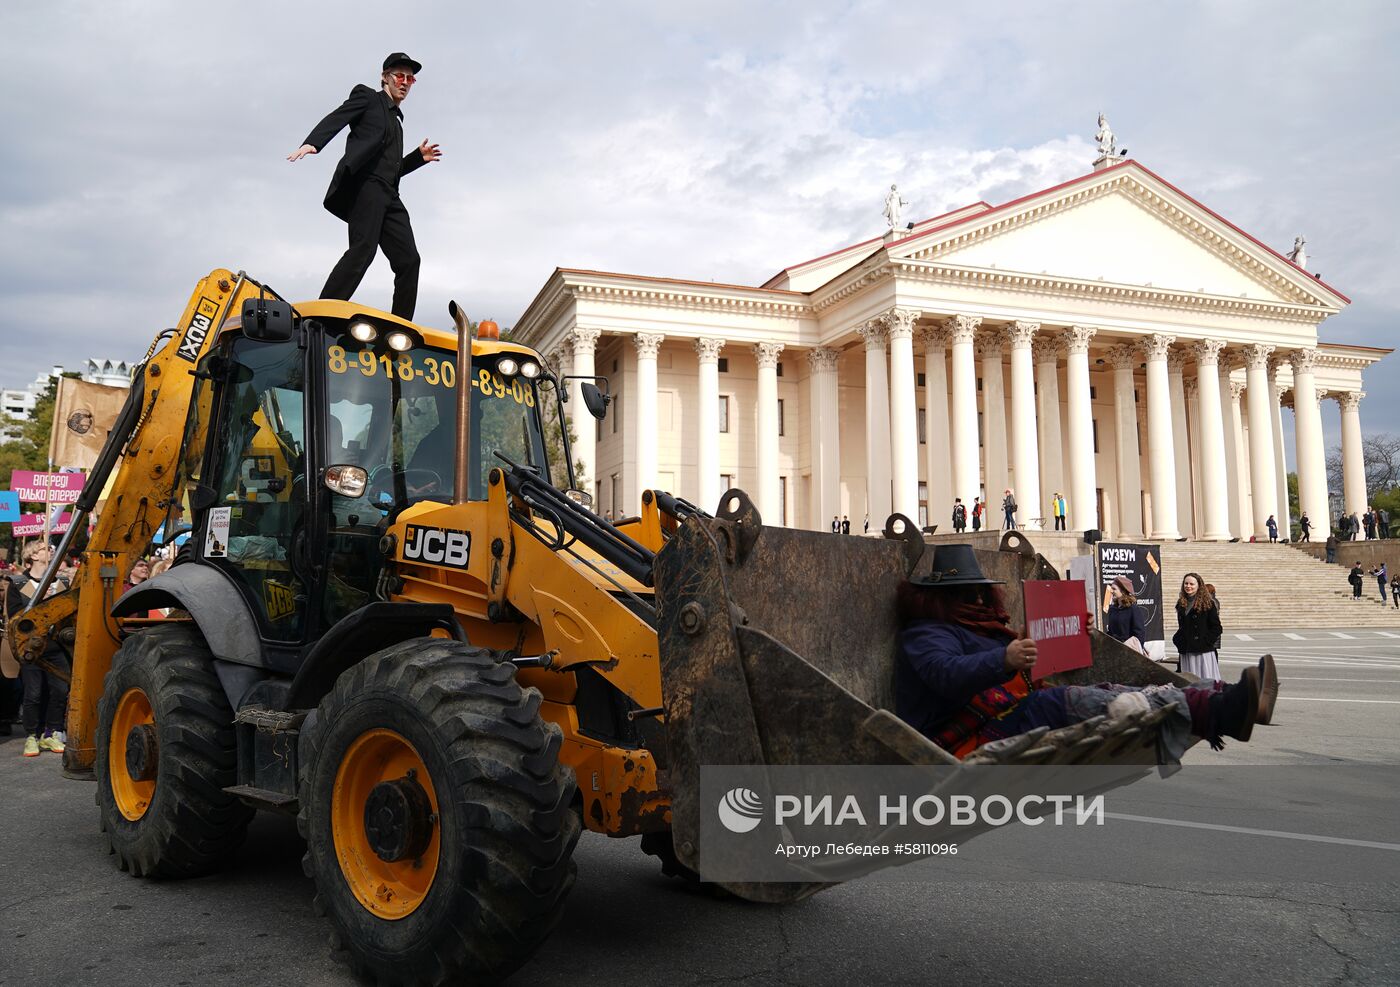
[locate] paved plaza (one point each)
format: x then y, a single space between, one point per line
1079 915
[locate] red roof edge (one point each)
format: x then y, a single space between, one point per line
1140 167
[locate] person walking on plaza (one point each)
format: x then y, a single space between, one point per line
1008 510
1395 592
1272 525
959 515
1331 545
1355 579
43 731
1060 510
1382 577
976 513
364 189
1305 526
1198 628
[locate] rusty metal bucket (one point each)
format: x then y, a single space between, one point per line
778 647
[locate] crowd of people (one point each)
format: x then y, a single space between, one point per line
1375 523
34 694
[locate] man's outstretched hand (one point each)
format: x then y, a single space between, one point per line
430 152
301 152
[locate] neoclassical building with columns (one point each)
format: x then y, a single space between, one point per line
1110 339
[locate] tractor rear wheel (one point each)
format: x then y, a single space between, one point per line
165 752
437 817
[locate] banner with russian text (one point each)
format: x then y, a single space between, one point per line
1058 624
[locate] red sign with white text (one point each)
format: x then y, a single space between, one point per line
29 525
1055 621
47 488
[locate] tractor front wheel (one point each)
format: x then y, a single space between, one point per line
437 816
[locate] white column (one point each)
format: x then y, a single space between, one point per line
1192 388
1025 454
877 425
1239 415
1212 454
1161 442
1307 429
994 453
707 439
1046 353
966 478
584 343
904 410
1123 358
1353 459
1083 511
769 490
937 445
644 430
1283 518
1181 442
1230 420
1263 484
825 435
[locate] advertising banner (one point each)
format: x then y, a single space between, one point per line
1142 564
30 525
1055 621
47 488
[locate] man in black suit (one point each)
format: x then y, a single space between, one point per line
364 190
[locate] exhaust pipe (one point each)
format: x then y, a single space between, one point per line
462 464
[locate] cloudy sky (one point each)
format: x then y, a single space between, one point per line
145 142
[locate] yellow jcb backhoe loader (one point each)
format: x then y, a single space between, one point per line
390 623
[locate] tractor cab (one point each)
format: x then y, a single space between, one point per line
299 452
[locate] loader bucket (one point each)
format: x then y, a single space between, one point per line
777 647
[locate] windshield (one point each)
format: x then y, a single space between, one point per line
395 415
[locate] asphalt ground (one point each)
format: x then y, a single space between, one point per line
1290 878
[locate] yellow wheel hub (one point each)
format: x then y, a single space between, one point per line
131 754
384 820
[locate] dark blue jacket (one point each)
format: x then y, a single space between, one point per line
940 668
1126 622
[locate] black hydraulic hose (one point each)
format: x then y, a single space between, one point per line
633 559
677 507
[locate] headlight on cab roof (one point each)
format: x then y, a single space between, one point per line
399 341
507 366
529 369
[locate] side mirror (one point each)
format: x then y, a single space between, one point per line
580 497
268 320
595 400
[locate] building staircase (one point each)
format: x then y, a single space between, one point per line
1263 585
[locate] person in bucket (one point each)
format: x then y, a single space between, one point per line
963 677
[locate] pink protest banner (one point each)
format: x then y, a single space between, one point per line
47 488
1055 621
30 525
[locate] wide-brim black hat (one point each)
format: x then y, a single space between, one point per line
953 565
399 58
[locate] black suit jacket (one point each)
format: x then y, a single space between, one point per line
366 112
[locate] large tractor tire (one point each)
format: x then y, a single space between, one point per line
165 752
437 817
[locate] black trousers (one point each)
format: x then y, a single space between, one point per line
34 679
1060 523
378 220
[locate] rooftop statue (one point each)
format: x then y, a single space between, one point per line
893 205
1108 145
1298 255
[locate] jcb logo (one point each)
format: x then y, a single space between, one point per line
198 330
439 546
281 600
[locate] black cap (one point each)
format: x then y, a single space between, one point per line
399 58
953 565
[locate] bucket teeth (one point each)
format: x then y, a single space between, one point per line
1004 751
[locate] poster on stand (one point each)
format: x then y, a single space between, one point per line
1142 564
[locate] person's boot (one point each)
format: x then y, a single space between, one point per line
1234 710
1268 689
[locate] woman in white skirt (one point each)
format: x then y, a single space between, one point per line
1197 628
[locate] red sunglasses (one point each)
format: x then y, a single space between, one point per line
405 77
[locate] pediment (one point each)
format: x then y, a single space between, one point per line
1125 227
